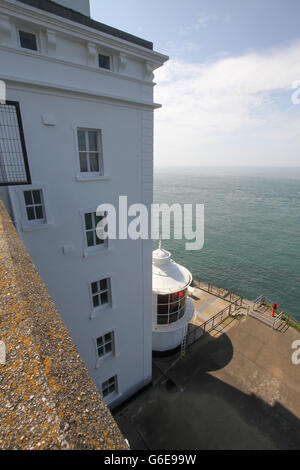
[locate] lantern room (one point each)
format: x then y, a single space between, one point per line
172 310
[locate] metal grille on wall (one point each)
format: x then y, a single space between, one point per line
14 167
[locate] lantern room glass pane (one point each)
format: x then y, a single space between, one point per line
174 307
162 309
163 319
171 308
174 297
181 313
163 299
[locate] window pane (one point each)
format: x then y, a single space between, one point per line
162 299
174 297
174 317
174 307
104 61
39 212
99 341
104 298
112 388
103 284
30 213
88 221
162 320
83 162
94 162
28 40
81 140
162 309
96 301
107 337
28 198
99 218
105 392
100 352
89 238
99 241
37 197
93 140
108 348
94 287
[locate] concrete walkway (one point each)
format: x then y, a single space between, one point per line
206 305
238 390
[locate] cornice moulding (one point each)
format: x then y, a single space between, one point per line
89 68
55 87
84 32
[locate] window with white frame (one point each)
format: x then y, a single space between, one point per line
34 205
90 151
104 61
100 291
28 40
91 220
105 344
110 386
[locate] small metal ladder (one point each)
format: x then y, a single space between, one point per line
183 345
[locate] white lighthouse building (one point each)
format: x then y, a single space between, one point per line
76 131
171 309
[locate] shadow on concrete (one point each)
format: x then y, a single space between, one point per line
189 408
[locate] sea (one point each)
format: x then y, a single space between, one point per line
251 228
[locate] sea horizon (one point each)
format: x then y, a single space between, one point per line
252 217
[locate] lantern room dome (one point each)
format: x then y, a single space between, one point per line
168 276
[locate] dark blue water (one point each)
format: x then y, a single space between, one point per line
252 229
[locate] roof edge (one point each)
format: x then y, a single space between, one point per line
72 15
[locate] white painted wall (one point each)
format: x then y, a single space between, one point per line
64 86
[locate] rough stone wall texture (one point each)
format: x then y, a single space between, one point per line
47 398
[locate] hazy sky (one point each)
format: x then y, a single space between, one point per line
227 89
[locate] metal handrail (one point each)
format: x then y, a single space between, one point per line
210 324
219 291
283 315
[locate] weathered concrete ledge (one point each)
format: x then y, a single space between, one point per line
47 397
